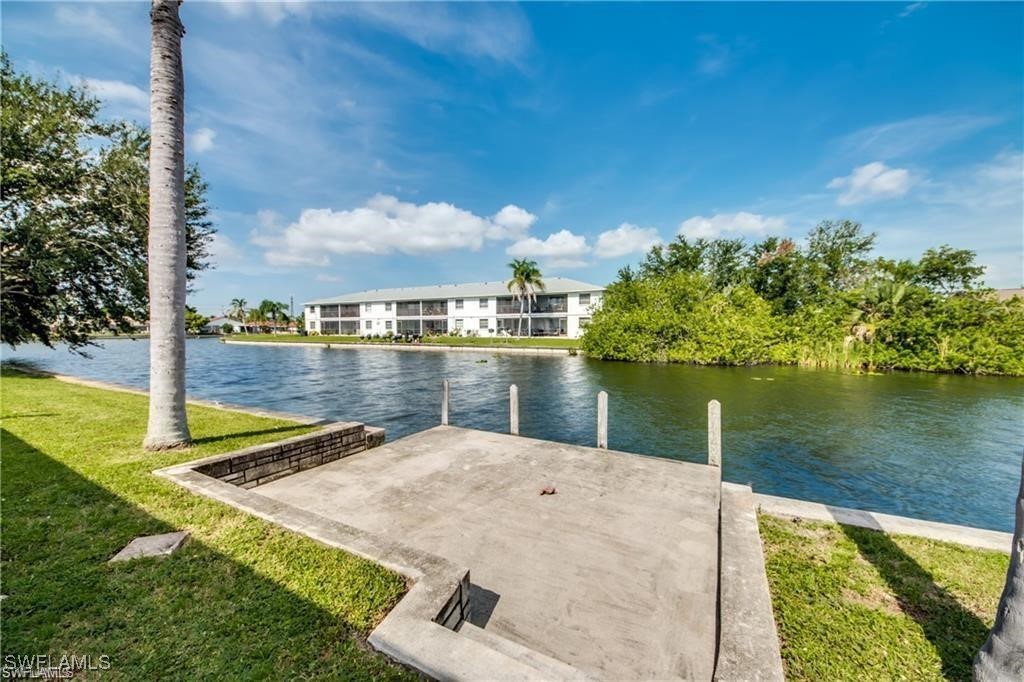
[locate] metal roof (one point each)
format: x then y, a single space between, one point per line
552 285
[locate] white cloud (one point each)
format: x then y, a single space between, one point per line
996 183
910 136
499 32
268 11
625 239
871 182
513 222
87 21
383 226
911 8
721 224
122 99
324 277
202 139
560 249
224 251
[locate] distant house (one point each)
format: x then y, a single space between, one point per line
1007 294
216 325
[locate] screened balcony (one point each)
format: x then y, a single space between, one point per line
348 310
339 327
431 308
550 304
407 309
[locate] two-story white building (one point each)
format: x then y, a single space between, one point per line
563 308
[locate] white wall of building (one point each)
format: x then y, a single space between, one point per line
476 316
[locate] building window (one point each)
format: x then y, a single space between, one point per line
458 304
367 307
584 299
484 303
387 307
460 323
369 324
387 325
485 323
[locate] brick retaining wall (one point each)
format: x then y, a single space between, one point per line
261 464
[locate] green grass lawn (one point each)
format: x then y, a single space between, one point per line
857 604
533 342
242 599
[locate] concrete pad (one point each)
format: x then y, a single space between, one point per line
748 647
616 574
164 544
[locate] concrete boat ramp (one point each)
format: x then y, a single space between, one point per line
626 568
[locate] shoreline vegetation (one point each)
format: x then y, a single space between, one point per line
826 304
78 486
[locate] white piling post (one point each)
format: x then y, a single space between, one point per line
513 410
602 420
444 402
715 434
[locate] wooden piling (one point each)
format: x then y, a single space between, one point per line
602 420
715 434
513 410
444 402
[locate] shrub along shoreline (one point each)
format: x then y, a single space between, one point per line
720 302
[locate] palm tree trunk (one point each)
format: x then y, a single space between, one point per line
519 330
1002 656
168 425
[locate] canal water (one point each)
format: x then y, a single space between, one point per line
939 447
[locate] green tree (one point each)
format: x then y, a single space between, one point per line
948 270
776 271
194 322
74 216
525 283
275 311
838 250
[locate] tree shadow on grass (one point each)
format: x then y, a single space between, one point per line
283 431
955 632
199 613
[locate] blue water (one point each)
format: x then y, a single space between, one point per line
946 448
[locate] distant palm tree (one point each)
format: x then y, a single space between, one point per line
238 311
168 424
524 285
274 311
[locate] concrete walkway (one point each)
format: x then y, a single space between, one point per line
616 574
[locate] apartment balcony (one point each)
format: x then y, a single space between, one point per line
410 309
335 311
435 308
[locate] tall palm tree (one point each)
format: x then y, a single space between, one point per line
525 283
237 311
274 310
1002 656
168 424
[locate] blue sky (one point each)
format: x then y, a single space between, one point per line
353 146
